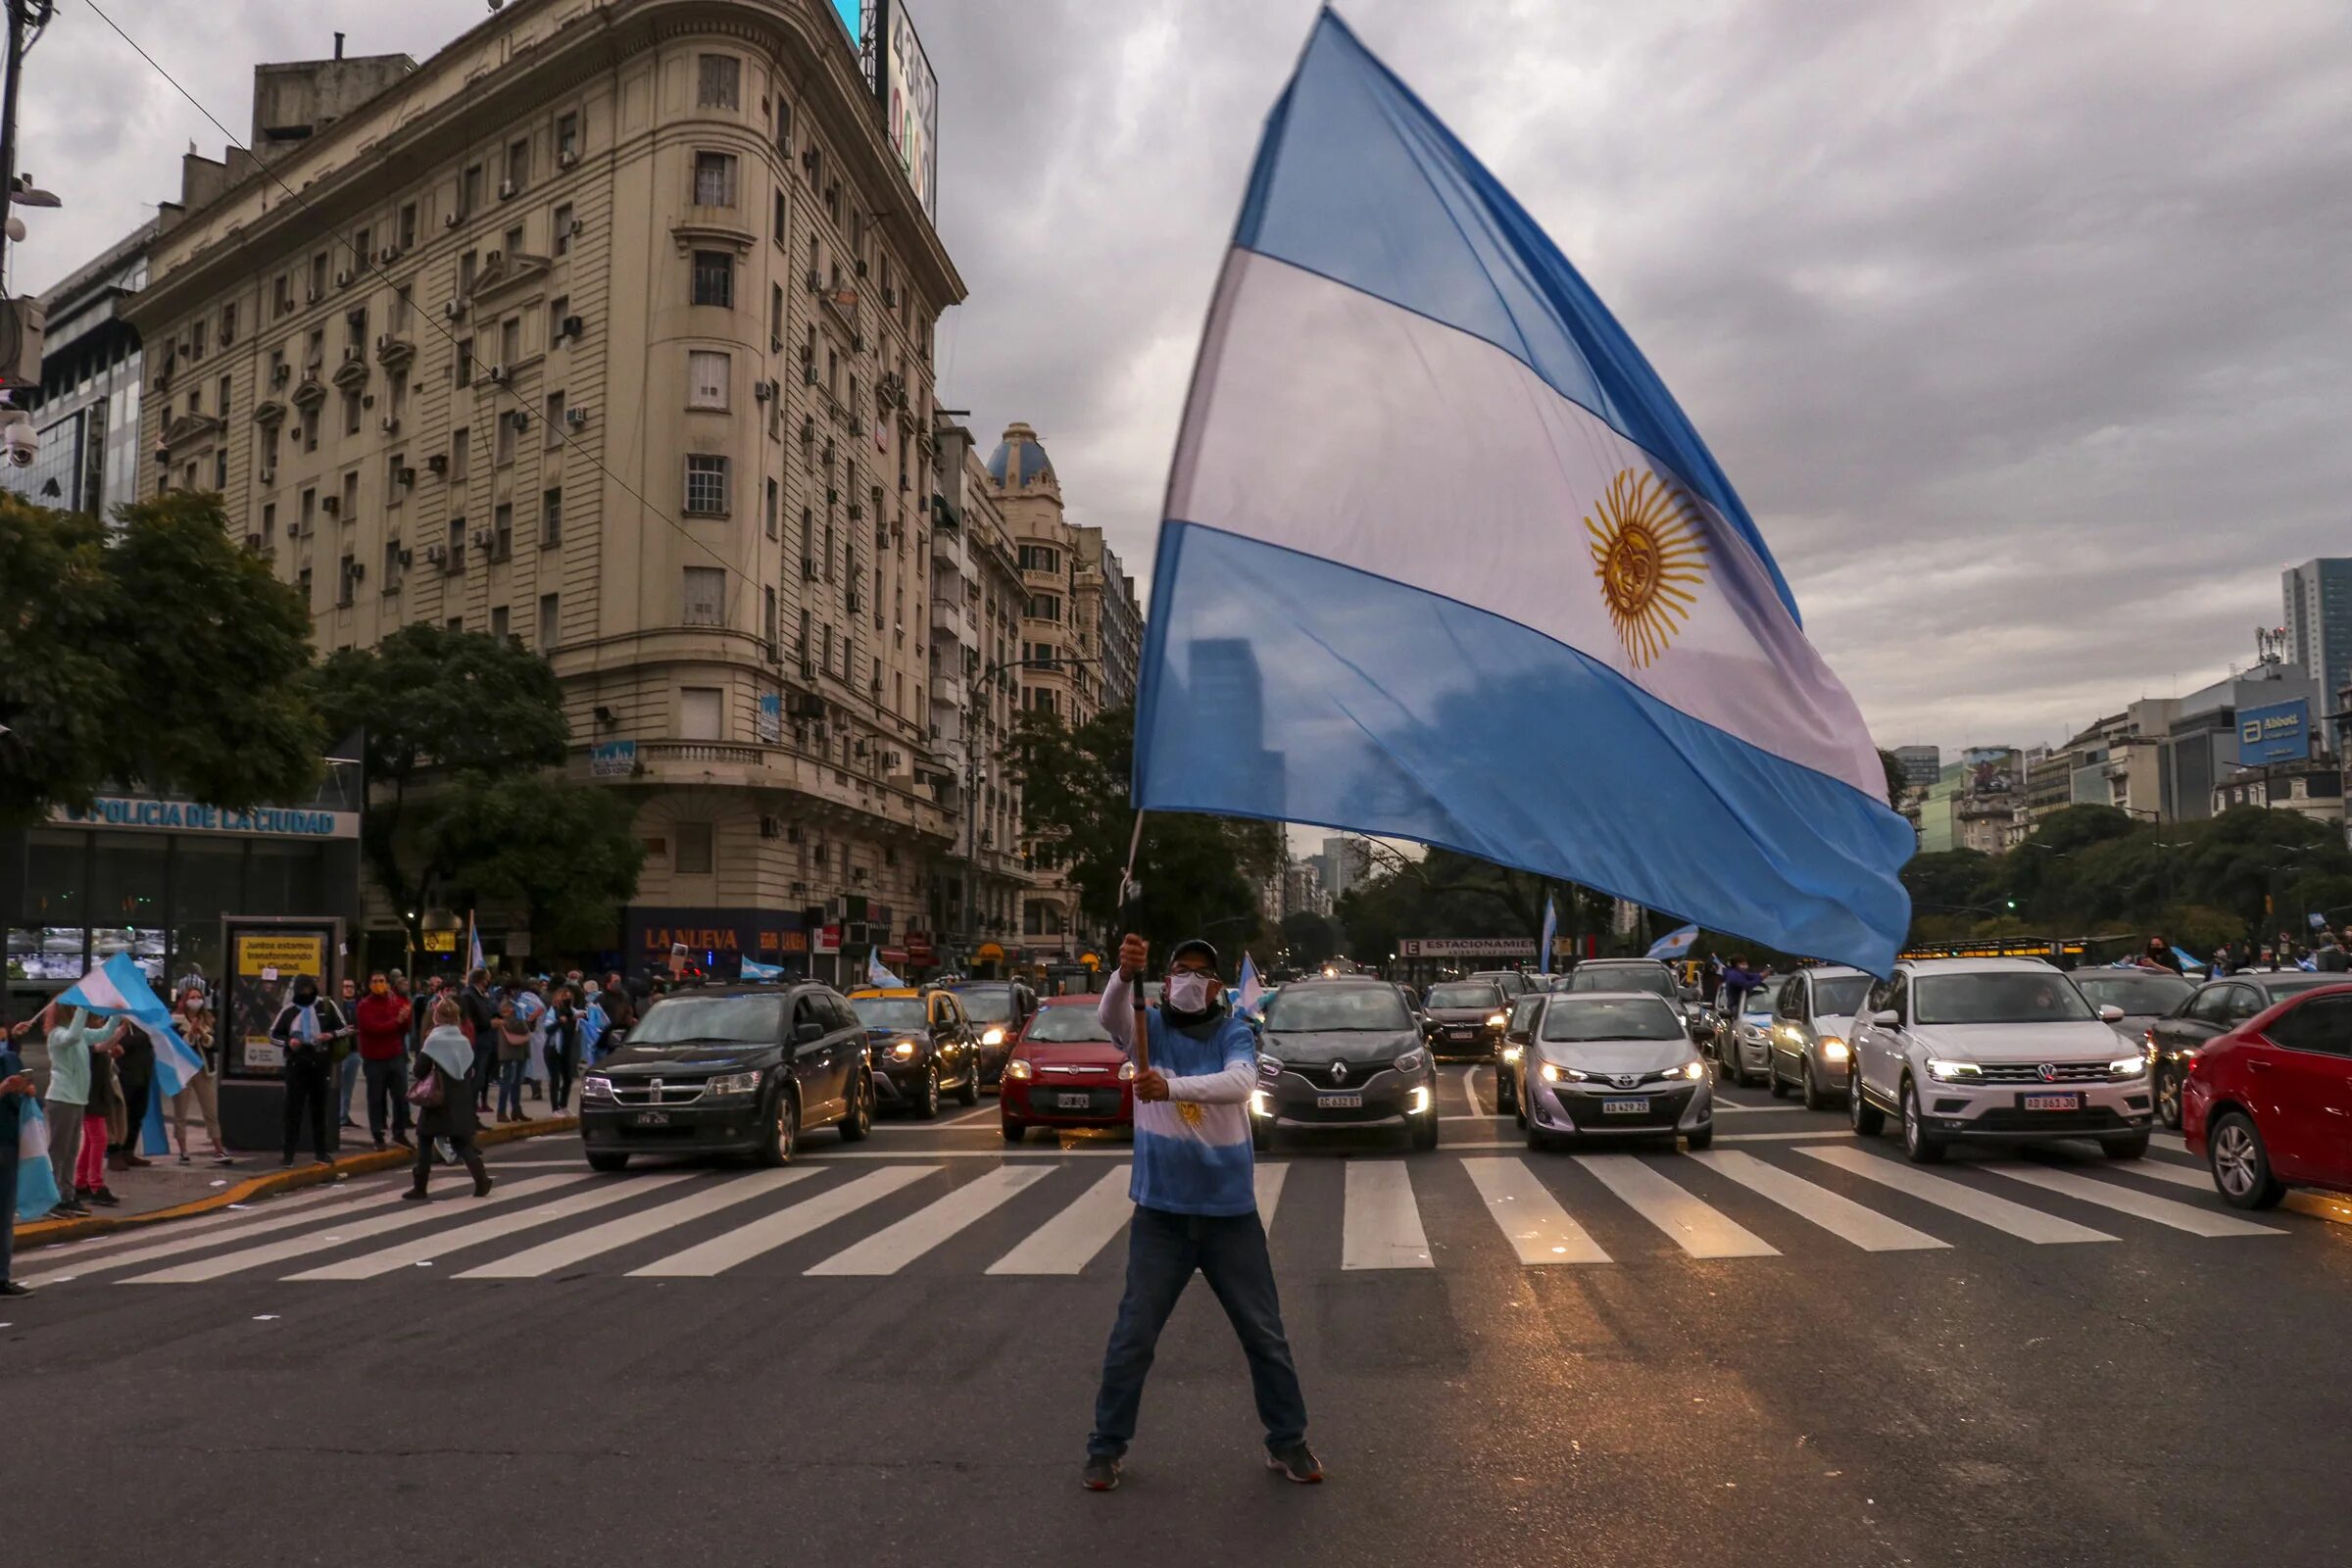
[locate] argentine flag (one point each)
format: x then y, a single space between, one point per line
1441 559
879 975
118 988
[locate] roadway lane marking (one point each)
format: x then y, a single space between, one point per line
1069 1241
91 1246
182 1241
1268 1180
2026 1224
579 1247
772 1231
2163 1171
894 1247
1470 1090
1696 1227
424 1248
1524 1209
1380 1227
972 1115
1841 1216
2137 1205
332 1236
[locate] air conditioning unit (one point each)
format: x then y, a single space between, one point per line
507 189
857 512
267 476
492 260
576 417
353 354
455 310
890 296
309 296
452 219
388 254
809 567
438 462
383 341
809 375
808 159
771 827
519 419
808 428
343 278
494 372
572 326
405 474
389 423
434 555
330 505
482 538
253 542
576 227
775 345
860 267
566 157
407 555
815 283
358 570
280 374
762 391
832 496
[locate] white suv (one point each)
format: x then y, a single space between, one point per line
1998 1049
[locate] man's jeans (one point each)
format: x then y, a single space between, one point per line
1230 1252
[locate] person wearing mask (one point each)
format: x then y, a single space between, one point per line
201 1094
480 1022
306 1029
444 1099
347 1055
382 1020
563 1047
72 1048
514 1045
16 1092
134 1076
1196 1205
621 1013
2160 956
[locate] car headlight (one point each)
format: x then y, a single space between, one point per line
1512 1053
1019 1070
1833 1048
994 1037
1690 1070
1499 1020
1260 1102
1126 1072
1947 1071
1410 1061
2128 1066
1551 1073
1416 1103
732 1083
904 1050
597 1087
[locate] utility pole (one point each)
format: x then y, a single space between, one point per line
20 319
11 76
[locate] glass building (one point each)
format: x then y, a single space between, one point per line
86 410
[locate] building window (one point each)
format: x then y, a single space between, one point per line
700 713
220 402
220 468
775 317
460 445
310 430
705 596
551 519
392 564
546 622
502 534
713 179
559 230
351 414
554 421
408 225
767 620
465 362
1045 607
781 224
1040 558
567 135
457 544
506 439
509 343
469 191
319 277
498 621
720 82
707 485
518 166
694 849
774 498
714 279
228 325
706 379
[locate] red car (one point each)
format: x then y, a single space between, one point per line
1065 1071
2268 1106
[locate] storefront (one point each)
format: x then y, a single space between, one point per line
712 943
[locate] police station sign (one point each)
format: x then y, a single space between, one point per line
189 817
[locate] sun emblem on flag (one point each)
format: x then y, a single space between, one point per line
1649 556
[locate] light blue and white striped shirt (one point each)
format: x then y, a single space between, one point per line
1192 1149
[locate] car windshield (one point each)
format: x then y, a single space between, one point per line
1767 995
1997 997
892 1013
1839 996
1631 977
988 1006
1610 1018
1067 1026
1307 1009
752 1020
1466 994
1523 1011
2142 990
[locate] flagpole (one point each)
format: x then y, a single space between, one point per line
1129 893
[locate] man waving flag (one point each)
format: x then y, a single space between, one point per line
1434 513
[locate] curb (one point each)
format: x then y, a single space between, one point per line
44 1233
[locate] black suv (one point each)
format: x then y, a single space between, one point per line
742 1069
1466 1018
920 1043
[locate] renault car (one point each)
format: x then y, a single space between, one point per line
1344 1052
1609 1065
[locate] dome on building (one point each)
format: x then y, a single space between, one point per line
1033 464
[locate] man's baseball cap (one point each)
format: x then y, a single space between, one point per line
1195 947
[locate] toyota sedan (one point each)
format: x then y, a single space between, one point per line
1611 1065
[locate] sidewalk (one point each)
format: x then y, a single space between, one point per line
167 1189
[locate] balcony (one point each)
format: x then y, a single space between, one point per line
684 764
949 620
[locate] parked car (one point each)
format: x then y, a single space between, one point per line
1466 1019
2214 1008
1611 1065
1743 1043
920 1044
1064 1070
1995 1049
729 1070
2267 1103
1515 1034
1811 1022
1344 1052
1512 983
998 1009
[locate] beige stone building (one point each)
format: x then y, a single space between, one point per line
608 329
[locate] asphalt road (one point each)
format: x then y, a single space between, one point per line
1762 1358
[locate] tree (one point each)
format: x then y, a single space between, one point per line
459 729
1311 938
1200 874
1897 781
160 657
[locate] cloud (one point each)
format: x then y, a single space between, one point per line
2019 325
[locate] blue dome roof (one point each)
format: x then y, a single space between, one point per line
1034 463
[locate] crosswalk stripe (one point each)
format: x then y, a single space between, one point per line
894 1247
1269 1192
1698 1228
436 1243
2129 1201
772 1231
613 1234
2164 1171
1841 1216
1537 1228
333 1235
73 1264
1069 1241
2026 1224
1381 1226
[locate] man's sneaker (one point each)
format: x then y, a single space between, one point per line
1102 1473
1297 1462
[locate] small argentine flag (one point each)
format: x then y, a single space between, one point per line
1551 930
1250 992
117 989
879 975
1441 559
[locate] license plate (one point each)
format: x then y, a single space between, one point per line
653 1118
1625 1107
1462 1034
2054 1101
1340 1101
1073 1102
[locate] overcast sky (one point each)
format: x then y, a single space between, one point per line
2022 327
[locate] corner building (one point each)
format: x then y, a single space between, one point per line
606 328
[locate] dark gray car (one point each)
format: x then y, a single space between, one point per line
1468 1016
1344 1052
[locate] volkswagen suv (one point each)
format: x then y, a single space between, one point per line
1995 1049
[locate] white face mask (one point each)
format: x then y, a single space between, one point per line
1188 993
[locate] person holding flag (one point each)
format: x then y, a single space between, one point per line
306 1029
16 1099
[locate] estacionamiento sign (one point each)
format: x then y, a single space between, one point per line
1477 947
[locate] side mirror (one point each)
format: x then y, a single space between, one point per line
1888 1019
2110 1014
807 1032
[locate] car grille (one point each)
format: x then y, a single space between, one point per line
682 1093
1319 1073
1665 1109
2003 1119
2028 1072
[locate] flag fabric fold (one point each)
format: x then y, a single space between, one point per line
1675 944
37 1181
118 988
1551 930
1250 990
879 975
754 970
1443 559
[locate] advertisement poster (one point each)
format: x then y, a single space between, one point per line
266 959
2278 732
910 106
